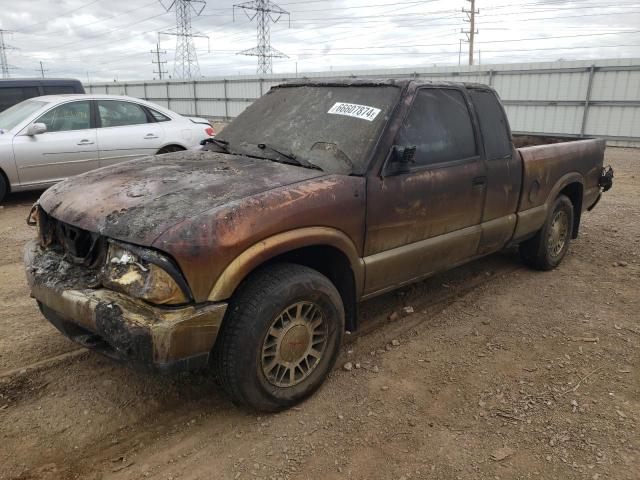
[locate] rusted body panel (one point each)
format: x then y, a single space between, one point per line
548 169
137 201
205 245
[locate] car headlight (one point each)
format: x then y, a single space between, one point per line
144 274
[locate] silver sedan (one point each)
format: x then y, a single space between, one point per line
46 139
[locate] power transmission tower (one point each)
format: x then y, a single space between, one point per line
156 60
473 31
42 70
186 60
5 68
265 12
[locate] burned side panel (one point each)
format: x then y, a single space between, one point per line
205 246
546 165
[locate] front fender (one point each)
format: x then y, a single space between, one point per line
282 243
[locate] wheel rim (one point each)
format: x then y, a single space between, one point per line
558 233
294 345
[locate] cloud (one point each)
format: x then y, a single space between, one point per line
108 40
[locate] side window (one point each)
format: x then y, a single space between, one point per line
439 125
67 117
158 117
58 90
493 124
114 113
9 96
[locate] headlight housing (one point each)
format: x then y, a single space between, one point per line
144 274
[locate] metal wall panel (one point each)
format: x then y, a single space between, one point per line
596 98
210 89
616 121
136 91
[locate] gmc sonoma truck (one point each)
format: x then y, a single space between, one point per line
251 255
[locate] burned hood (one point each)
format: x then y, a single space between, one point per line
137 201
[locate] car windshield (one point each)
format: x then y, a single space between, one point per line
18 113
333 127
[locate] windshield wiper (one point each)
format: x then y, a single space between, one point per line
293 160
223 144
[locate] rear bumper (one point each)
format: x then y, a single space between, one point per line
131 331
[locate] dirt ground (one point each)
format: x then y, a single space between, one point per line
500 373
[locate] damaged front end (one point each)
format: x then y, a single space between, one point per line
129 302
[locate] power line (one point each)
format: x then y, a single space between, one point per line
42 70
62 15
5 68
157 61
473 31
265 12
186 59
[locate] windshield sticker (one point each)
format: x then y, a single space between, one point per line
352 110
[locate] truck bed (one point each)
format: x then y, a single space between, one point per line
525 140
553 165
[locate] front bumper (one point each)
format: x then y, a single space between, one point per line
163 339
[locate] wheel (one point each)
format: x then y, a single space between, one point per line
280 338
549 246
3 187
170 149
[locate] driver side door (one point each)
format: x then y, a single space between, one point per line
67 148
426 218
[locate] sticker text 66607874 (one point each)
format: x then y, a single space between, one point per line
352 110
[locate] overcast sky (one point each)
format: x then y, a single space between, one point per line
112 39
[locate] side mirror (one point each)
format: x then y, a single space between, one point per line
400 159
36 129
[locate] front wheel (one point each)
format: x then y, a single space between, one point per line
549 246
3 187
280 338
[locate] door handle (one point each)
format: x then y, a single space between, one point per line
85 142
479 181
150 136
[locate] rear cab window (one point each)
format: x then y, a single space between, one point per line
439 126
493 124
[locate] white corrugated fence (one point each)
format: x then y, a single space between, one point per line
573 98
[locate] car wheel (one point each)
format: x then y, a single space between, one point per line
280 338
549 246
170 149
3 187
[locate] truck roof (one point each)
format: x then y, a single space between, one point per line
374 82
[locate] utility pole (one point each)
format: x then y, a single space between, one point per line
42 69
157 61
186 60
473 31
5 68
265 12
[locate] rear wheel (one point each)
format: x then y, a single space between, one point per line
170 149
549 246
280 338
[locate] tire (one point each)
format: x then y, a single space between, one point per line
248 347
546 250
170 149
4 187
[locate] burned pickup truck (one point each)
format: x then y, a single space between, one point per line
251 256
